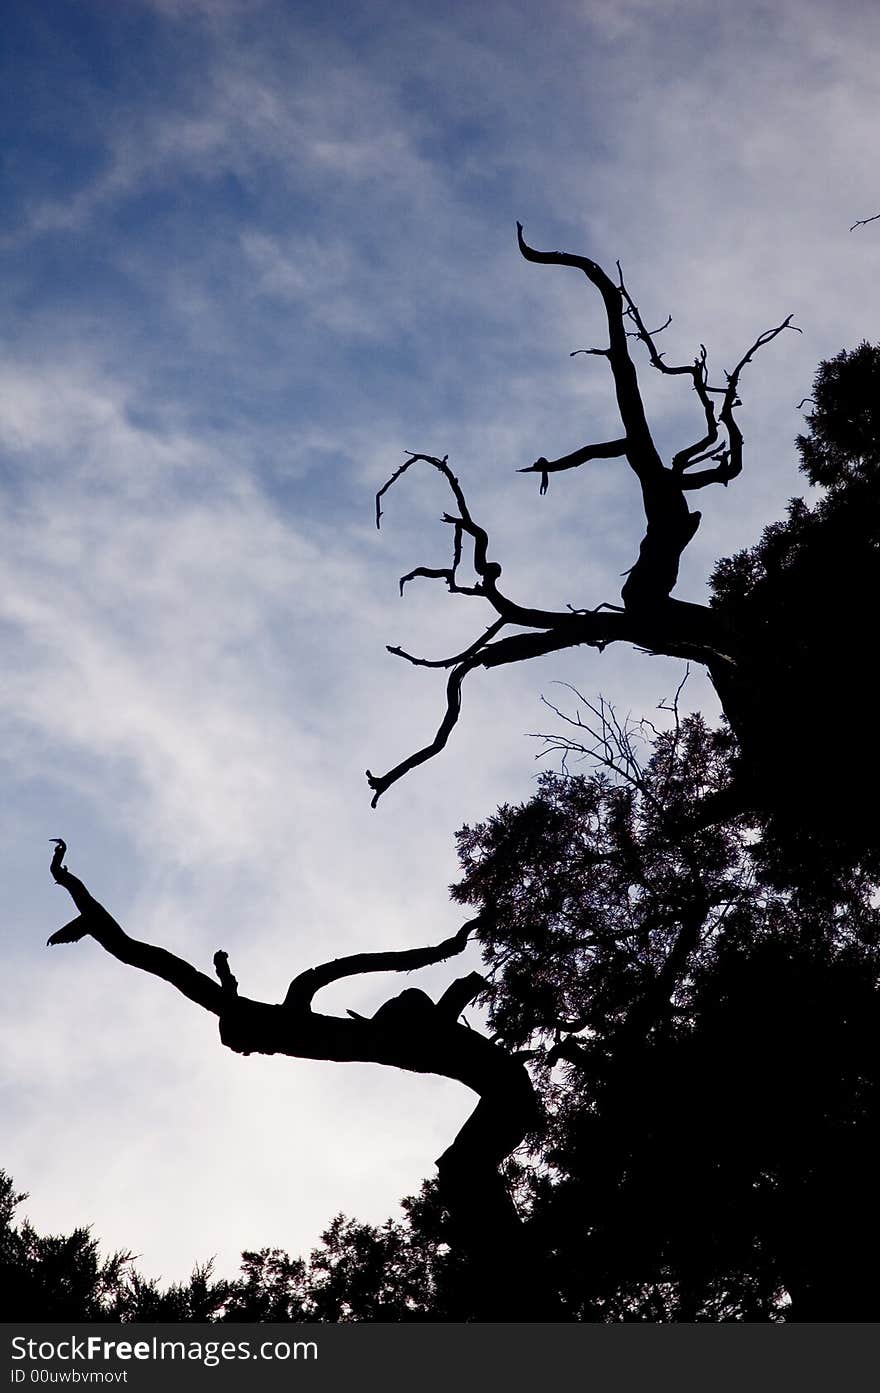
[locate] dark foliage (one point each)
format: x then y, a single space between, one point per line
706 1045
59 1277
805 596
358 1273
843 443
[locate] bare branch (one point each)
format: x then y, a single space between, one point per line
641 452
647 335
221 967
380 782
408 1032
507 650
411 459
731 462
488 571
863 222
672 706
443 467
670 524
468 652
766 337
729 459
460 994
303 987
650 618
95 921
612 746
608 449
637 333
439 573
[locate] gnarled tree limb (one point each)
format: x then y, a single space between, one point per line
303 987
408 1032
650 619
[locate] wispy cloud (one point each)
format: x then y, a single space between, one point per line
279 251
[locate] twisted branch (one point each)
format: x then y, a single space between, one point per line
650 618
409 1032
304 986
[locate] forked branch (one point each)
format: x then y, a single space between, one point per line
410 1031
561 628
650 618
303 987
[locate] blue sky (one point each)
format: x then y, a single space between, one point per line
252 252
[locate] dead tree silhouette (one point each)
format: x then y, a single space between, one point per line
410 1031
649 617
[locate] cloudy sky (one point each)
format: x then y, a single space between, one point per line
252 251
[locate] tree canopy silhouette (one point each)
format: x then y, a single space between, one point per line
705 1043
803 595
357 1272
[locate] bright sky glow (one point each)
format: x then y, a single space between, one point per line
252 251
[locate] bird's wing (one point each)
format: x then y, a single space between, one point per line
71 933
